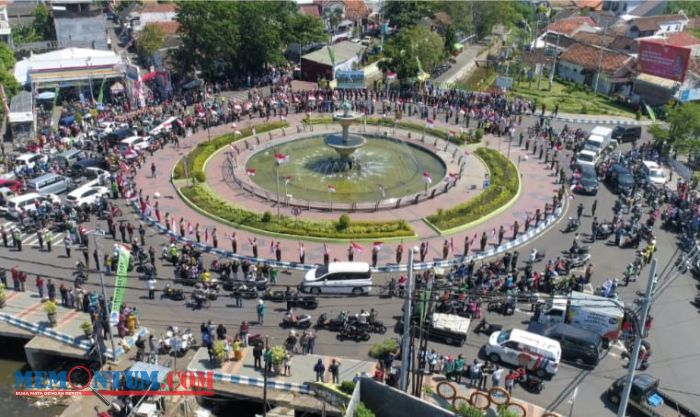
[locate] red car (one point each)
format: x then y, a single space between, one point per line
13 185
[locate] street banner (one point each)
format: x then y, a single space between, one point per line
119 285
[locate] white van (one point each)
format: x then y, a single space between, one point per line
26 203
28 160
135 142
586 157
536 353
653 173
340 278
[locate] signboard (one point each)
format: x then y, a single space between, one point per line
504 82
665 61
350 79
119 284
132 72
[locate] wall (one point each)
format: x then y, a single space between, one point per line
571 72
386 401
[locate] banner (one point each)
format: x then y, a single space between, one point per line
664 61
119 284
350 79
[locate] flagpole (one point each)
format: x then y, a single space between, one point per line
277 175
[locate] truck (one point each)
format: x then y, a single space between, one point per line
450 329
599 140
600 315
647 399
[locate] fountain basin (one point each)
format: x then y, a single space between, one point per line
345 146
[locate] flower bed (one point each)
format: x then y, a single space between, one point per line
196 158
211 204
504 185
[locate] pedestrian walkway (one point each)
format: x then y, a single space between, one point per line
243 372
24 310
537 189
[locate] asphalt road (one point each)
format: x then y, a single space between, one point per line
674 337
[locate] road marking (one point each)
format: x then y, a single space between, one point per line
29 310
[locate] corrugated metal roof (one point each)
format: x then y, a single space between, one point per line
344 51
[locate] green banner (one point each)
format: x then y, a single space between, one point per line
119 284
652 116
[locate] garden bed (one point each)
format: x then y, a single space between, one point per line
503 188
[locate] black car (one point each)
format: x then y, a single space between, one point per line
579 346
627 134
79 168
620 179
588 183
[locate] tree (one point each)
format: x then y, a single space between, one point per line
304 29
150 40
7 57
683 130
43 22
690 8
25 34
450 38
412 46
403 14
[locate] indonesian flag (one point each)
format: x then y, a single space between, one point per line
426 178
429 123
147 210
206 234
462 111
325 250
356 247
190 229
123 167
287 180
378 245
331 189
453 133
391 75
250 172
174 225
281 158
272 247
451 177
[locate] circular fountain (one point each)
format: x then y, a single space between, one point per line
346 143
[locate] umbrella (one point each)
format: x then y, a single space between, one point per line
46 95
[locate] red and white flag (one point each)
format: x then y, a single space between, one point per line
272 247
206 234
325 250
356 247
453 133
462 111
429 123
123 167
426 178
331 189
378 245
287 180
391 75
250 172
452 245
281 158
190 229
147 210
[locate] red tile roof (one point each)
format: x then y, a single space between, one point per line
310 9
169 28
591 4
645 24
155 7
588 57
356 9
569 26
682 39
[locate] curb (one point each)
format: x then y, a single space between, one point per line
260 382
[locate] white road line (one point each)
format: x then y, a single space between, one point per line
30 241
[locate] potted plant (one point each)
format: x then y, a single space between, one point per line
3 296
50 309
86 326
278 354
219 348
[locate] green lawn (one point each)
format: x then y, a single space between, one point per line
478 79
571 99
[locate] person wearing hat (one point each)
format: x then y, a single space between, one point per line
260 309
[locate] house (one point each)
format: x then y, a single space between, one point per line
537 61
322 64
604 19
602 69
656 25
310 9
80 25
589 4
568 27
607 39
151 12
5 29
677 39
640 8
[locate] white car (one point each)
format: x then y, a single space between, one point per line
28 160
85 195
135 142
587 157
26 203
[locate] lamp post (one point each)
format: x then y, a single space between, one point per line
88 61
277 176
98 233
407 314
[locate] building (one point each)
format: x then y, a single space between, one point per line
656 25
602 69
572 25
318 64
150 12
589 4
639 8
5 29
608 39
22 117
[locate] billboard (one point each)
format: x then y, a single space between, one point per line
664 61
350 79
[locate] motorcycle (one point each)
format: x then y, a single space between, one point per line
632 271
572 225
507 308
356 333
80 274
578 250
171 293
605 230
528 381
176 342
644 354
487 328
302 321
248 293
333 325
306 302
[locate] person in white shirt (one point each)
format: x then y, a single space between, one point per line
497 375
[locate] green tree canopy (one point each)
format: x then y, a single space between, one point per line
407 13
304 29
690 8
683 131
43 22
450 38
150 39
412 46
7 57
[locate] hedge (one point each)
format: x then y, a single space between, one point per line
504 184
212 204
471 136
196 158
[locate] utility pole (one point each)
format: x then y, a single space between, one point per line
264 413
600 60
407 325
554 64
97 233
639 332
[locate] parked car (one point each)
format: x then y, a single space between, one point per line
13 185
588 182
620 179
85 195
627 134
79 168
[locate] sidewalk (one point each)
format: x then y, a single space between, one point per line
538 188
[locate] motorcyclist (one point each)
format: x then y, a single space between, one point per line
292 316
392 286
362 317
575 243
372 318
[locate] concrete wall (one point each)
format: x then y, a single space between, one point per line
571 72
386 401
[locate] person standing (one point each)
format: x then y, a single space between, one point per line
278 252
351 253
40 237
334 370
484 241
445 249
153 169
423 251
234 243
214 238
257 356
244 329
399 253
501 233
593 207
40 286
375 253
319 369
516 229
467 243
474 373
268 360
151 288
67 243
260 310
579 211
510 381
496 376
302 253
255 247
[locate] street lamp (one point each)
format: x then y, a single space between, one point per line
277 176
407 323
88 61
98 232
